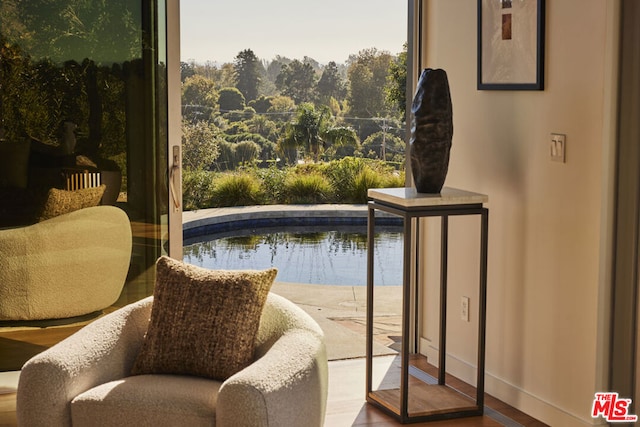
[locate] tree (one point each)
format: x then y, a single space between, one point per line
330 84
12 29
248 73
313 131
297 80
313 63
339 136
236 128
383 145
240 115
281 107
96 44
227 76
200 145
104 31
304 130
367 75
274 67
261 125
186 70
339 139
209 70
231 99
261 104
396 87
199 96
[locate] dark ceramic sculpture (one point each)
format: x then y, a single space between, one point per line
431 131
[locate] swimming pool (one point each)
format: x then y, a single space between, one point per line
326 255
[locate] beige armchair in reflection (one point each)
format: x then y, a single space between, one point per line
67 266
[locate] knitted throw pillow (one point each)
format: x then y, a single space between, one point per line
62 201
203 322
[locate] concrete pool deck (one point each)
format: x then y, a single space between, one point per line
341 313
339 310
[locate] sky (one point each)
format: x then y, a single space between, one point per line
325 30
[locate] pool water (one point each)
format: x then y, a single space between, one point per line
315 255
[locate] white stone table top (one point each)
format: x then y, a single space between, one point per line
408 197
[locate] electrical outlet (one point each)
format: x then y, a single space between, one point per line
464 309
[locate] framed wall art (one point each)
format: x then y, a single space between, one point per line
511 44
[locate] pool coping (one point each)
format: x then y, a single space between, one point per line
217 220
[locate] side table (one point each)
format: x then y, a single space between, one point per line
421 397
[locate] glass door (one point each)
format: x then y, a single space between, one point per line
83 109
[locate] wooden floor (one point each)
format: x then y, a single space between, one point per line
346 404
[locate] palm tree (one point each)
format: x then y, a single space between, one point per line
339 136
313 131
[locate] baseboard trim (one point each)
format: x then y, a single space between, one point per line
511 394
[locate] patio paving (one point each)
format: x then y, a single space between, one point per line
341 313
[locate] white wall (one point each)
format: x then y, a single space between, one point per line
549 226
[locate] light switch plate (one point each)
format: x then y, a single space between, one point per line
558 147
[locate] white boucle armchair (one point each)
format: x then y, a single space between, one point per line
84 380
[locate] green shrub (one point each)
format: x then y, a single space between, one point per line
231 99
353 176
394 179
197 189
227 158
273 183
310 169
305 189
366 178
237 190
247 152
340 181
342 174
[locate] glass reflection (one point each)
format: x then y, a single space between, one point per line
83 109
